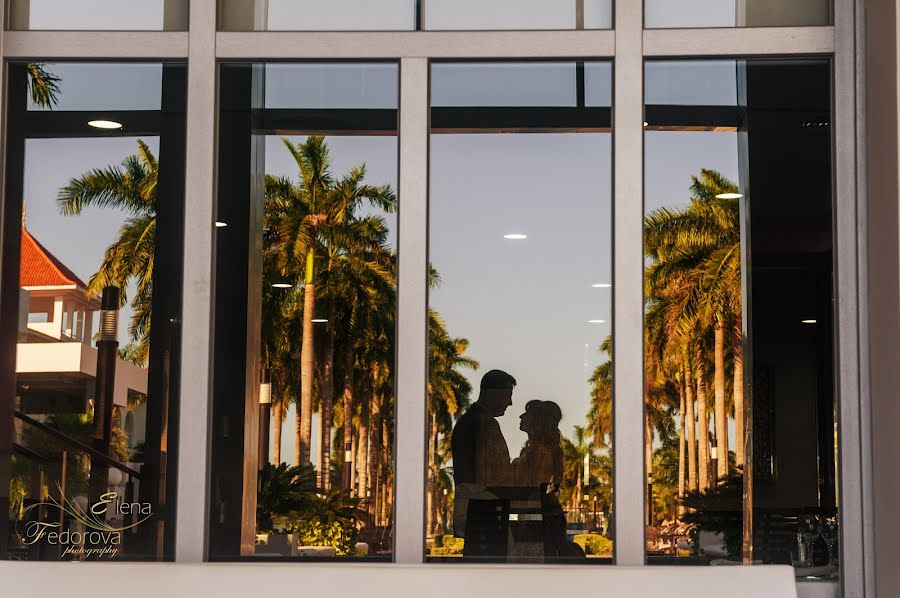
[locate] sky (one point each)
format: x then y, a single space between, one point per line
78 241
525 305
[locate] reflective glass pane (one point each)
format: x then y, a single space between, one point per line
519 381
317 15
741 450
737 13
407 15
91 291
517 14
94 15
303 388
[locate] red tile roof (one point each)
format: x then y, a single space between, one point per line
40 268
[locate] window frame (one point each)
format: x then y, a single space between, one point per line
627 45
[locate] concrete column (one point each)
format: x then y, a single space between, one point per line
69 328
882 143
88 326
58 315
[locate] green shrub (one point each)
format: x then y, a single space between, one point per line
594 544
447 545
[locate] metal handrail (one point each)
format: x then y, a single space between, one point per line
27 452
93 453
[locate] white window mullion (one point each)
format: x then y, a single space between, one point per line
411 412
851 290
628 365
196 314
738 41
96 45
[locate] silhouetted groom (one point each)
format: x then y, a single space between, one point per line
480 454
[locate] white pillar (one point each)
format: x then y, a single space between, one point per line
58 316
88 326
194 425
70 315
628 305
411 410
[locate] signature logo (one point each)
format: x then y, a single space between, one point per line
91 535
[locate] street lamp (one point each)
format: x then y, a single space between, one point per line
714 458
104 388
265 411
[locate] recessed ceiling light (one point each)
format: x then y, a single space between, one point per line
601 285
318 321
220 224
596 321
729 196
807 321
105 124
515 236
281 285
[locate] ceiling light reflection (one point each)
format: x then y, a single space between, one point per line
105 124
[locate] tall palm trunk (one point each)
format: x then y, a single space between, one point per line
307 362
739 401
703 424
298 424
691 427
377 494
648 468
389 503
721 415
347 474
327 410
579 487
374 446
681 449
354 450
279 420
362 456
430 479
384 512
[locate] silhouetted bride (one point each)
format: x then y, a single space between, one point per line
540 464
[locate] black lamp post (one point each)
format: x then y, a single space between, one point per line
714 459
265 411
104 388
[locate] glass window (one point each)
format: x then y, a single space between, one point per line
94 15
519 381
92 395
741 451
517 14
408 15
305 298
737 13
317 15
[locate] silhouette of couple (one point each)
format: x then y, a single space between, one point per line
490 487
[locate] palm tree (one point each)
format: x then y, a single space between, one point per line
449 392
43 86
306 215
599 417
575 452
694 286
130 187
